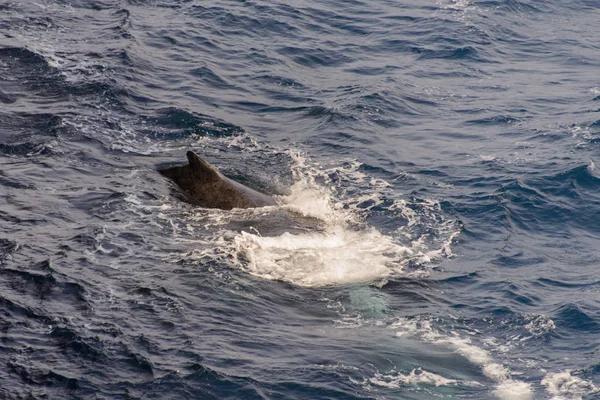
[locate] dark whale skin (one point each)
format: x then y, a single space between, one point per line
206 187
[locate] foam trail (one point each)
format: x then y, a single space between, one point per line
507 388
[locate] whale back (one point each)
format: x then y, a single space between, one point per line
204 186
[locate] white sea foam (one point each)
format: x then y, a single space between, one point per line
583 133
309 201
458 5
344 250
338 256
460 9
565 386
538 325
511 389
576 130
417 376
507 388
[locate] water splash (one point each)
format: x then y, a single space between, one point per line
345 250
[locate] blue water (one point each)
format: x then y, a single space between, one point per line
434 166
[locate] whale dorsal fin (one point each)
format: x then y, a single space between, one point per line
201 169
203 185
197 172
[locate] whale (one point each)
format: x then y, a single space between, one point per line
203 185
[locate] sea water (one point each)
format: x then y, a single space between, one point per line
434 165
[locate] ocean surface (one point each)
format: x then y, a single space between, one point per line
434 164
